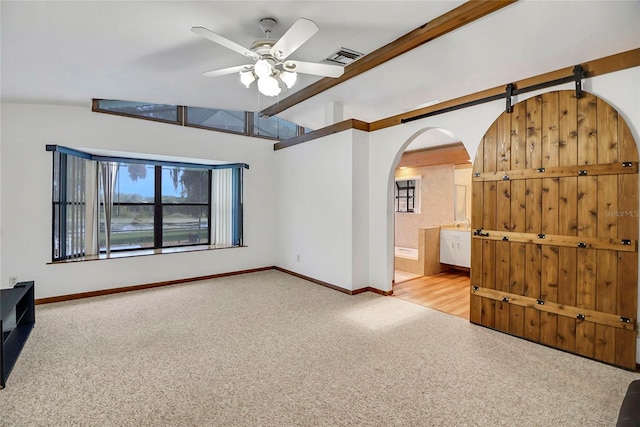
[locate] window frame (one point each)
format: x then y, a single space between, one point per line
60 154
414 198
158 210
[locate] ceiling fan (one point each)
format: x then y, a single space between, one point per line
270 57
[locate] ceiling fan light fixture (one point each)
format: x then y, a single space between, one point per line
247 77
271 65
289 78
268 86
263 68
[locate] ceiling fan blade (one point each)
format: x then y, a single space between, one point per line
217 38
230 70
301 31
326 70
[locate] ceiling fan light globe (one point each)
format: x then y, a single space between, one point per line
246 78
289 78
262 68
268 86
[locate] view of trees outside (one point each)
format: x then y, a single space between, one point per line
184 204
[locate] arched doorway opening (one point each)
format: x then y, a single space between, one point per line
432 192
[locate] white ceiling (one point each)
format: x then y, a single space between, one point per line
71 52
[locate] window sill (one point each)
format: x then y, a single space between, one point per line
145 252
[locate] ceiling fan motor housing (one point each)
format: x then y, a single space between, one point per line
263 46
267 25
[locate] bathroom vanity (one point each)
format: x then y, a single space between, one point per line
455 246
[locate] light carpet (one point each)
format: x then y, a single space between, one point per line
270 349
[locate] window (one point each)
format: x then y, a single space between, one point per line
69 205
240 122
213 118
274 127
103 204
159 112
407 195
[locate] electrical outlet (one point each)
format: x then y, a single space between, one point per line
13 280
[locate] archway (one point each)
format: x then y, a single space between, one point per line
431 186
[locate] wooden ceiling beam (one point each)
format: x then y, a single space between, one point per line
454 19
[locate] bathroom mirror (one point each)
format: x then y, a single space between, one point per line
459 202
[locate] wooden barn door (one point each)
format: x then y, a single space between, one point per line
555 227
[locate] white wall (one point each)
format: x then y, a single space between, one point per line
26 197
360 213
315 212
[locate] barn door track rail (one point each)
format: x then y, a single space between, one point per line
510 91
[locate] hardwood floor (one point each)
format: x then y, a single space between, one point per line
447 292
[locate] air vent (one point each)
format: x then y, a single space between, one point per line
343 57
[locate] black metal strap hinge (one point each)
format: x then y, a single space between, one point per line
509 90
578 75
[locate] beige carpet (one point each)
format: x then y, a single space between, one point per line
269 349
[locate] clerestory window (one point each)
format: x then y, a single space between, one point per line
239 122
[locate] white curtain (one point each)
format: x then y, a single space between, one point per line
91 209
222 207
108 175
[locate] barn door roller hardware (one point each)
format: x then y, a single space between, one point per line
509 94
578 75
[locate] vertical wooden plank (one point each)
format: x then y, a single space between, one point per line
533 220
549 280
587 221
607 260
489 223
517 215
475 303
627 283
503 218
567 216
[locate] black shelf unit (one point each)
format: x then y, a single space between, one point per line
17 318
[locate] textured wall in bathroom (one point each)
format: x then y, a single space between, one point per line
436 203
